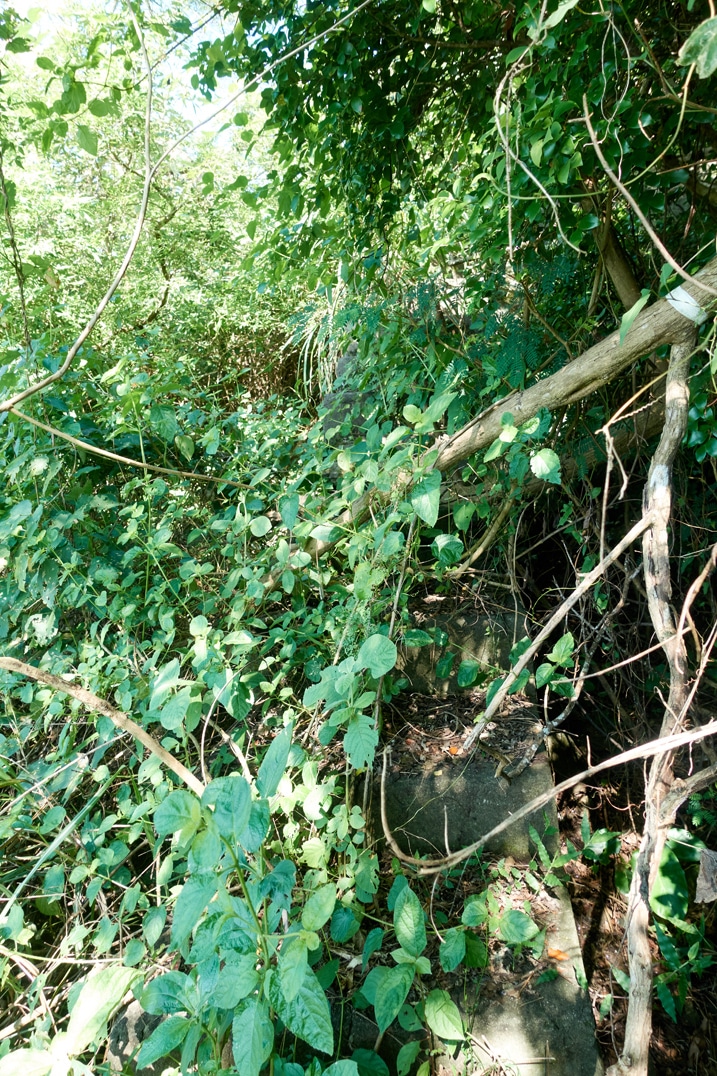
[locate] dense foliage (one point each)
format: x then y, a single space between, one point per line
415 198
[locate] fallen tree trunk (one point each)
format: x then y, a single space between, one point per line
654 327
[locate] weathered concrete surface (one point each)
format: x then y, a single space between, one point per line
469 635
444 808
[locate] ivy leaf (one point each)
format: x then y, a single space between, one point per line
700 48
426 496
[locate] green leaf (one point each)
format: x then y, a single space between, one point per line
516 928
174 711
87 139
559 14
406 1057
468 672
562 652
307 1015
319 907
163 421
545 464
387 989
166 1037
475 911
195 895
443 1017
100 996
17 514
544 674
374 941
100 108
292 966
426 497
409 923
178 813
185 446
231 799
342 1068
453 949
700 48
417 637
447 548
289 509
27 1063
252 1036
360 741
629 316
377 654
260 526
274 762
344 924
669 894
166 678
236 980
369 1063
429 6
165 994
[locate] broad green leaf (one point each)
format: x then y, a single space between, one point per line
447 548
163 421
562 652
669 894
231 799
344 924
544 674
369 1063
545 464
178 813
153 924
559 14
629 316
374 941
387 990
292 966
700 48
406 1057
236 980
412 414
409 923
475 911
166 1037
516 928
377 654
468 672
17 515
165 994
319 907
453 949
443 1017
426 498
274 762
342 1068
260 526
307 1015
100 996
194 897
87 139
417 637
360 741
166 678
98 107
30 1062
185 445
174 711
429 6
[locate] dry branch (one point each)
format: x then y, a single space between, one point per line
654 327
97 705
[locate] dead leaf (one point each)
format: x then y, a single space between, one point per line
557 954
